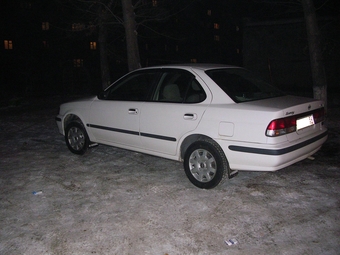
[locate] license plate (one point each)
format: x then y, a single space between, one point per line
305 122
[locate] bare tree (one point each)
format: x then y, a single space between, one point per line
109 16
103 49
315 54
131 35
313 37
96 17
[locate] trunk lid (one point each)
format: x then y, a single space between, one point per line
300 109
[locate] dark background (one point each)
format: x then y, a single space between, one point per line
51 54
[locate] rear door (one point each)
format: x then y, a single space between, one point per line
176 108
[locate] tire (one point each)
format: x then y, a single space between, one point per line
205 164
76 138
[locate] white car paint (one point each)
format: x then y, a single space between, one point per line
115 115
159 119
160 128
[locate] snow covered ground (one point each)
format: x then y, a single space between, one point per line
112 201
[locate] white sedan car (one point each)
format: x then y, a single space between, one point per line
217 119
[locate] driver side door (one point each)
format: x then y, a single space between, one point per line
115 119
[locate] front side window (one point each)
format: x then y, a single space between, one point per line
134 87
241 85
178 86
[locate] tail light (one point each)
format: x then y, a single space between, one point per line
319 115
287 125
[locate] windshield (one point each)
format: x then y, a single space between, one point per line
241 85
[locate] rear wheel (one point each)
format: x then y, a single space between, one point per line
76 138
205 164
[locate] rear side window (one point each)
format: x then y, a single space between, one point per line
241 85
178 86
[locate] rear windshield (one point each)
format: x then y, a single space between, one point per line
241 85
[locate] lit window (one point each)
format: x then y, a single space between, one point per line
154 3
209 12
193 60
78 62
216 38
45 44
78 26
93 45
8 44
45 26
216 26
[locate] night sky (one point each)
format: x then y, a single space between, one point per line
43 54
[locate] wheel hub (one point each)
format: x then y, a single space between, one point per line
202 165
76 138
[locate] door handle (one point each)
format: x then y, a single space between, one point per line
133 111
190 116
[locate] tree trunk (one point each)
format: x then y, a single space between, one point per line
131 35
103 53
315 54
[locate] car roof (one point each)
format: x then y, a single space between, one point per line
201 66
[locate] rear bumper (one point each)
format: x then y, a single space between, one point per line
271 158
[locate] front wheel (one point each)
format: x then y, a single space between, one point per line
205 164
76 138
